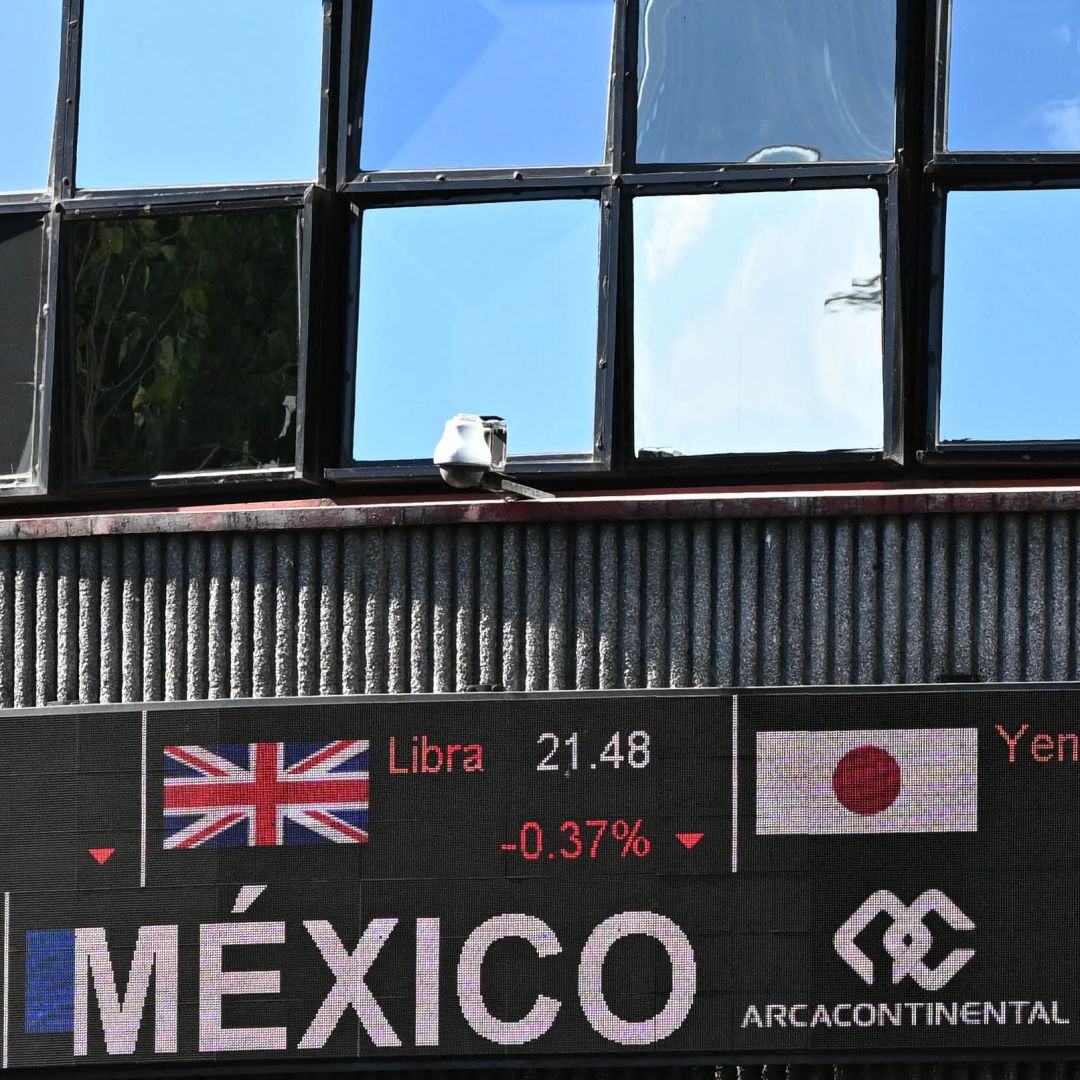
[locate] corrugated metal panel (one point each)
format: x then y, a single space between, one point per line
784 601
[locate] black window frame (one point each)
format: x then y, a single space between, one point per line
304 466
63 202
913 189
617 182
382 189
947 171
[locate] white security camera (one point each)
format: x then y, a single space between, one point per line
471 447
472 453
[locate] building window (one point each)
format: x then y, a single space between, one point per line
187 343
744 307
183 92
667 240
1005 204
161 272
1013 78
23 294
492 306
29 67
479 155
767 82
757 322
472 85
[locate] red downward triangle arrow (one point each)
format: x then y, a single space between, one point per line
102 854
689 839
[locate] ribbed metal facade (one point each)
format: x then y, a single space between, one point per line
784 601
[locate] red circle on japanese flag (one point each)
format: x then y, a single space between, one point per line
867 780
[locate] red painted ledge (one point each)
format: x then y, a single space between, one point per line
648 505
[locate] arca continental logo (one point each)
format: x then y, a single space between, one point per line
907 940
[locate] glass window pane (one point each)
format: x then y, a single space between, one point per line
1010 361
1014 75
757 322
29 70
766 80
461 84
186 343
20 302
199 92
488 309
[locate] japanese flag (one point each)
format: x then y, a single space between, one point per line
880 781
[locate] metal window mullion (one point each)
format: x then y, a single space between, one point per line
910 239
621 92
939 34
134 202
308 327
327 165
932 231
451 184
352 79
66 127
622 315
22 202
350 336
63 473
616 305
706 179
47 345
321 303
893 367
607 324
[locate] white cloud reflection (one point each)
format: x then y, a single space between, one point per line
1060 120
736 349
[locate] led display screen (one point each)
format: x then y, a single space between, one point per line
553 875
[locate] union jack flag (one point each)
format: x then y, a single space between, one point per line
266 794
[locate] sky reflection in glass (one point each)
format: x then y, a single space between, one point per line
1014 75
463 84
199 92
1010 355
766 80
29 68
757 322
486 308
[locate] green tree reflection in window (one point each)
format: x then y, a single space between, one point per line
186 343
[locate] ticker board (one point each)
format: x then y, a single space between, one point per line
486 877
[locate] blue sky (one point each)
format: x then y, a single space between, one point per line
29 66
1009 352
166 102
1014 81
487 83
452 83
163 101
488 309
